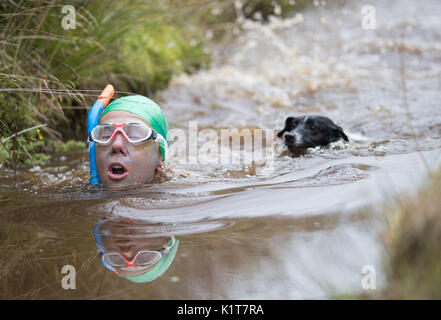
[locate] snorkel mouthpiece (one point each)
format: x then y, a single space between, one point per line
92 121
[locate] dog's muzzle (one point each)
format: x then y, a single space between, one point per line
290 139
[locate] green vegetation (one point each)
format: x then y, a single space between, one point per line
32 151
51 75
412 242
126 43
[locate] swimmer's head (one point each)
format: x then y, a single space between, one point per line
122 163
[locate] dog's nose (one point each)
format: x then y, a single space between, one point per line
289 138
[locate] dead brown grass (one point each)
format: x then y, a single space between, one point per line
412 242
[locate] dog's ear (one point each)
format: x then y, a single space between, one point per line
342 134
287 127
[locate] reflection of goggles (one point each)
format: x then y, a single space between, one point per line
133 132
143 258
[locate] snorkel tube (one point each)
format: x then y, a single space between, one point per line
92 121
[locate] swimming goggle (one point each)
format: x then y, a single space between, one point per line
143 258
133 132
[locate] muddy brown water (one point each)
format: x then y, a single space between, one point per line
304 228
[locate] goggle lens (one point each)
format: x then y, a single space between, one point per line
102 133
115 260
136 132
146 258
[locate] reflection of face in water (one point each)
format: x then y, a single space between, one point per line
126 249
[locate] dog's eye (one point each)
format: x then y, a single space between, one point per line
313 127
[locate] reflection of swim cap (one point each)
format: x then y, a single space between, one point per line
146 109
160 267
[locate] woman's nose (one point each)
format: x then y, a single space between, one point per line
119 145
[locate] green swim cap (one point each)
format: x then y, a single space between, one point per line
160 267
146 109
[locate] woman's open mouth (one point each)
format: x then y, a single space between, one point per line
117 171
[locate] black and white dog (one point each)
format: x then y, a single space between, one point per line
311 131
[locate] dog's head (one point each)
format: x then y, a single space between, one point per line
310 131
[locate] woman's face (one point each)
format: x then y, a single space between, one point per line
121 164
